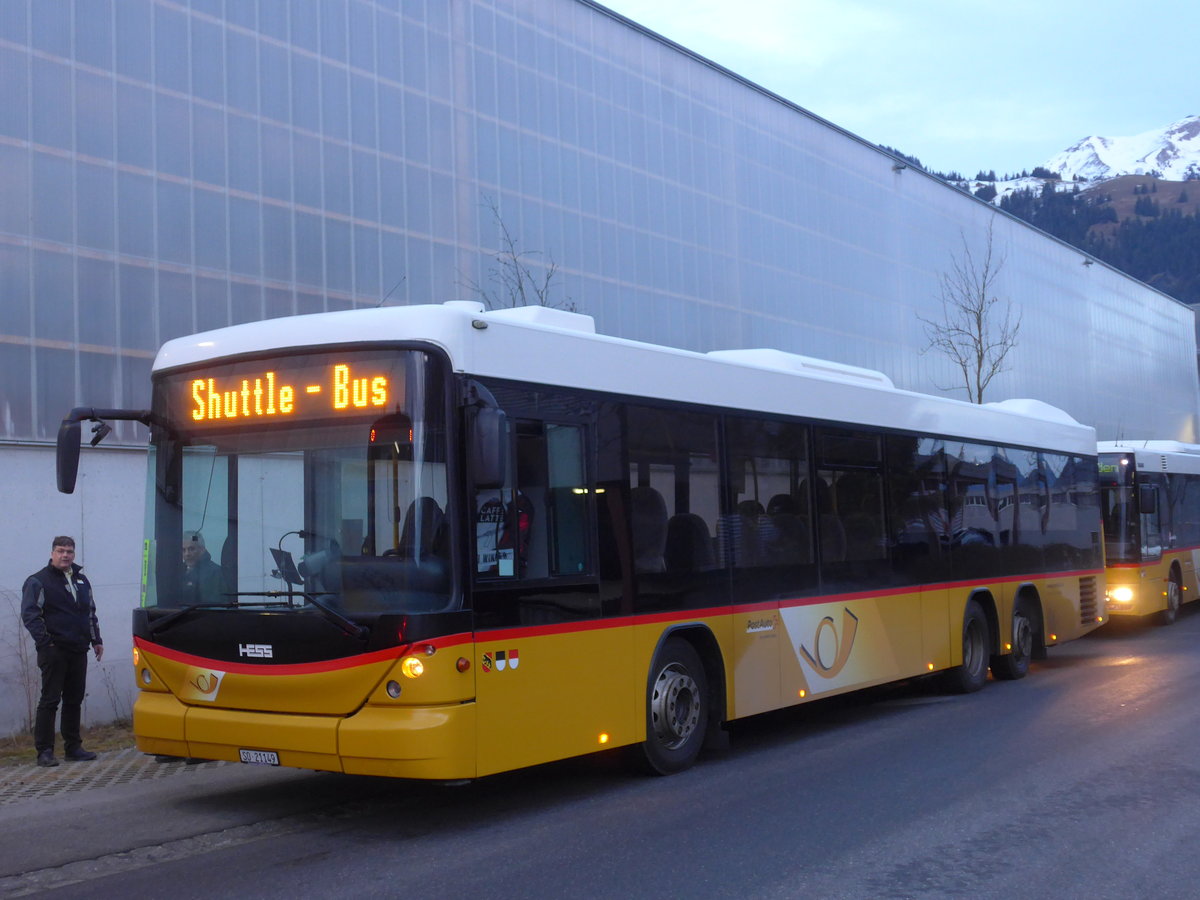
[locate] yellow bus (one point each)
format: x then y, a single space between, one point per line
1150 496
442 542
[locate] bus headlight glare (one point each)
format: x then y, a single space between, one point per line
1121 595
412 667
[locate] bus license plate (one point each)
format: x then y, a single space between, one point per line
259 757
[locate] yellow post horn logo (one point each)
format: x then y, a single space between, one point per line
843 644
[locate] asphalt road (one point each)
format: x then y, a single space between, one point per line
1082 780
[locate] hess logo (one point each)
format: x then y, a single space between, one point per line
256 651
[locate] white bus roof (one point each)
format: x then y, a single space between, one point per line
542 345
1158 456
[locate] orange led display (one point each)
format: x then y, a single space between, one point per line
332 389
357 392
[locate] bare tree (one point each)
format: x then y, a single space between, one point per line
513 280
977 330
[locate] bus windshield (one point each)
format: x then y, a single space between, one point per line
1131 535
315 481
1121 541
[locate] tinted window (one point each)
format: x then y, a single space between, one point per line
919 525
849 500
972 498
674 508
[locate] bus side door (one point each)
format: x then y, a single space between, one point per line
544 685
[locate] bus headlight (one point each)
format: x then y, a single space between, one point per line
412 667
1120 595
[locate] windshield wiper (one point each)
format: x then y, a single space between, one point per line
347 625
159 624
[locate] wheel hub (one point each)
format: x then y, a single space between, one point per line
1022 637
674 706
974 649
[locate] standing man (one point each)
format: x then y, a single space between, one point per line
59 612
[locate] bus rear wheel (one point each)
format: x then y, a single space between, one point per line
1174 598
976 637
1015 664
676 708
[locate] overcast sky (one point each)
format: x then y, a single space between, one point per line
962 85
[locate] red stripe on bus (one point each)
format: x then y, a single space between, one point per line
325 665
695 615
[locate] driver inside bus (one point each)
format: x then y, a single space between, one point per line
201 576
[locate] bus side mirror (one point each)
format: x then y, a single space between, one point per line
66 458
489 448
1147 499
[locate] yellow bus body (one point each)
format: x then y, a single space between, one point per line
523 696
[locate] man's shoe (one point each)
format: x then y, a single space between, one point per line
46 758
79 755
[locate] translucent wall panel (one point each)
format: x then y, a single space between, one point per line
174 166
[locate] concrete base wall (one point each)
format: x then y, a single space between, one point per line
104 515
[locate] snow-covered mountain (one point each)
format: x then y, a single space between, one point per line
1173 153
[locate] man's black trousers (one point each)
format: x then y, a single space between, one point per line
64 680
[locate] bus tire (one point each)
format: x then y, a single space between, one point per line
676 708
972 674
1015 664
1174 598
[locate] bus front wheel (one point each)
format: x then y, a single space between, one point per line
1174 598
676 708
976 641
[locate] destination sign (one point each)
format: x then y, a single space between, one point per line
279 392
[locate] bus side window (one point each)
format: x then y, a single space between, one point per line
528 505
673 514
850 500
536 526
920 525
1150 507
765 520
495 549
568 492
